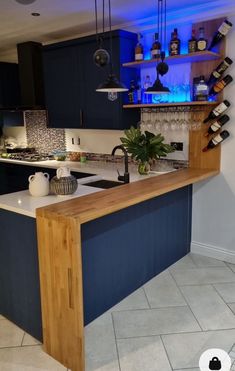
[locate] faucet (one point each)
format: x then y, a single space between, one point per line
126 177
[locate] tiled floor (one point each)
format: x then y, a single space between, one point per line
163 326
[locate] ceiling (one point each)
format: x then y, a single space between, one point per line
64 19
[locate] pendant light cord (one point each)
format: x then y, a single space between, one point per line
165 28
110 39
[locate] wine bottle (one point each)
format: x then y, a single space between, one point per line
174 48
139 50
219 138
218 110
156 47
220 69
201 42
221 33
192 43
131 93
217 125
220 85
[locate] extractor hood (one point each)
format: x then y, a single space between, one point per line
30 69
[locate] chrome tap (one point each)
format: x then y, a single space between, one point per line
126 177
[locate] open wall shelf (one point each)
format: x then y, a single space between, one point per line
170 104
183 58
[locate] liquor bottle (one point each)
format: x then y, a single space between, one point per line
221 33
147 84
139 92
139 50
218 110
220 85
156 47
201 90
219 138
201 42
217 125
132 92
220 69
174 47
192 43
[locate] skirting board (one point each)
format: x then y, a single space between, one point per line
213 252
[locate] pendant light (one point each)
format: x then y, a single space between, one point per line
101 56
162 67
112 84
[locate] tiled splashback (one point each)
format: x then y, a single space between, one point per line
41 137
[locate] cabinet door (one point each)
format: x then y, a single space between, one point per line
98 111
63 87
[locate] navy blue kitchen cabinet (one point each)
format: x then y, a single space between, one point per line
71 78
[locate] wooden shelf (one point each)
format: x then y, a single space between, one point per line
169 104
184 58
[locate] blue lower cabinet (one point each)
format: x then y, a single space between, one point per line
19 273
124 250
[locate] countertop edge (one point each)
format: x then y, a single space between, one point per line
93 206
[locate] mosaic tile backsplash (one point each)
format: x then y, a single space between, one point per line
41 137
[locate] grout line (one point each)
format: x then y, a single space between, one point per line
203 284
228 266
166 351
19 346
149 309
187 303
146 297
223 299
115 337
22 339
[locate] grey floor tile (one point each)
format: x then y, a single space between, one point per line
31 358
29 340
145 354
187 369
231 266
10 334
184 350
154 322
162 291
185 263
227 291
100 345
137 300
205 261
198 276
232 307
1 317
208 307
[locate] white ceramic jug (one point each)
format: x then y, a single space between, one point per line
63 172
39 184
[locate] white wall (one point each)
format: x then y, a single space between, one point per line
213 227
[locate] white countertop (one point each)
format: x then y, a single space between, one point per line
23 203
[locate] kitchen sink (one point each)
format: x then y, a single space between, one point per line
103 183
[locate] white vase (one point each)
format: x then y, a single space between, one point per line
39 184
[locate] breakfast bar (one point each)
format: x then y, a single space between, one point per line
97 249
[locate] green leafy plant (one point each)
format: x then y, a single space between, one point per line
146 146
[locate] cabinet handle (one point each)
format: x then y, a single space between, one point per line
81 117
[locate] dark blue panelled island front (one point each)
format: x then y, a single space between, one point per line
123 250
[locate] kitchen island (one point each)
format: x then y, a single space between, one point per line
97 249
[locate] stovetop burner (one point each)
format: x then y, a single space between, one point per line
30 157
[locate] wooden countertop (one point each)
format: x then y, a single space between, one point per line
96 205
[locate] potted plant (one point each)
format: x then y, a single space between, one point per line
144 147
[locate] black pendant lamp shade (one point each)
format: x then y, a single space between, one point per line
157 88
112 84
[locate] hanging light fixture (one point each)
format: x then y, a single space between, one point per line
112 85
101 56
162 67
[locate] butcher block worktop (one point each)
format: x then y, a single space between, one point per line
99 204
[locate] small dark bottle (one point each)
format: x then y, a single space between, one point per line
221 33
132 92
174 48
218 110
192 43
219 138
156 47
201 42
217 125
220 85
220 69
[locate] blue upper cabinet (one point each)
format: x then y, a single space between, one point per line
71 78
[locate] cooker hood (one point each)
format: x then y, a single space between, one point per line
31 85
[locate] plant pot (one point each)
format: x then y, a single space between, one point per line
143 168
